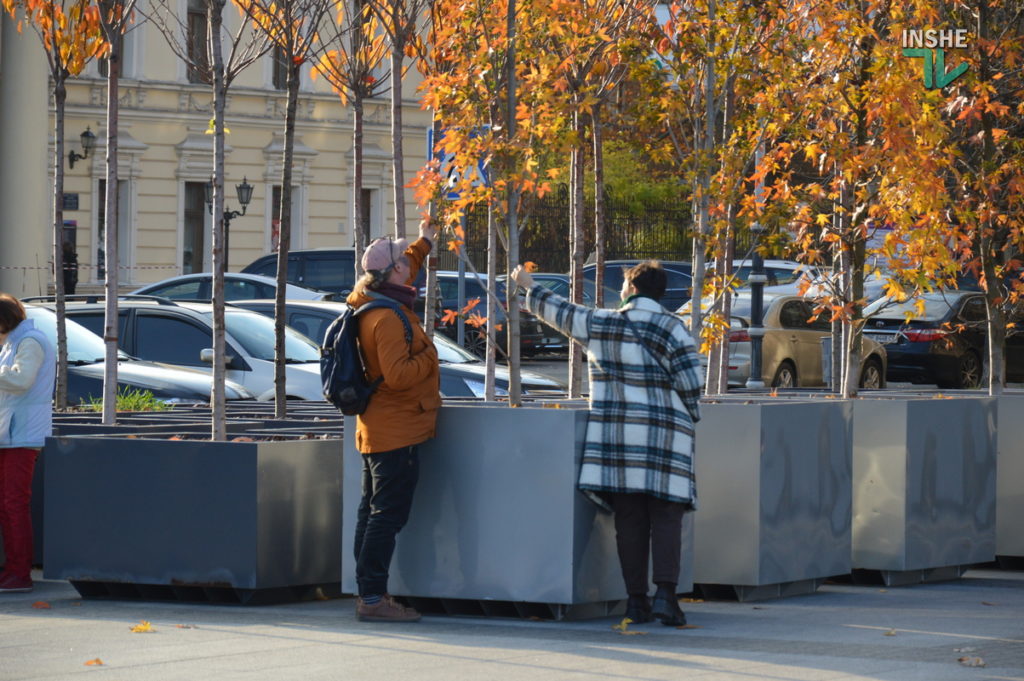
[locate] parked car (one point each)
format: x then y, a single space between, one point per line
182 334
322 269
945 345
785 277
86 368
531 333
677 290
199 287
462 373
792 347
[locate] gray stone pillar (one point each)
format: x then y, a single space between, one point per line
25 185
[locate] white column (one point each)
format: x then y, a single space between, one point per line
25 184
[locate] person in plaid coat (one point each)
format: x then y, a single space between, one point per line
645 387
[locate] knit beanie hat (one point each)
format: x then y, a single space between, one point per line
382 254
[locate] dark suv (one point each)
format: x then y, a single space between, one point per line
323 269
677 290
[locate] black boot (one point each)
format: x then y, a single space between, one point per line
638 609
665 606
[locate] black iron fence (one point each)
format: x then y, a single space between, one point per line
651 231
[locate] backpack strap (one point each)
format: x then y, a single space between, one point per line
385 302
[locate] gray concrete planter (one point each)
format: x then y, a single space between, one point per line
924 496
497 526
1010 481
773 492
193 520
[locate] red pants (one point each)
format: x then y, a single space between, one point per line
16 466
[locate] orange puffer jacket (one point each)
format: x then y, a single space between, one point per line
403 411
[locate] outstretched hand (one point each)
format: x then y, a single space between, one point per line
427 230
522 277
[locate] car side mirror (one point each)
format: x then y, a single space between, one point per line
206 357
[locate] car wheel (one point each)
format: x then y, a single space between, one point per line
475 341
785 376
871 374
969 372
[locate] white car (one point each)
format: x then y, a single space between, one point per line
182 333
237 286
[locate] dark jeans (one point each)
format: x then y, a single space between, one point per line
646 526
389 481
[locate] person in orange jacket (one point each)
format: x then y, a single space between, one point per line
400 416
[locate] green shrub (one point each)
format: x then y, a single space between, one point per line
130 399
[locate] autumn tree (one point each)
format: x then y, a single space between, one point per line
245 47
348 57
986 111
292 27
69 31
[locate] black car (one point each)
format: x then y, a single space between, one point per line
462 373
86 368
945 345
323 269
677 290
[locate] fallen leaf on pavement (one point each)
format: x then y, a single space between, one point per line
96 662
965 650
689 626
623 625
692 600
186 626
987 603
41 605
143 627
971 661
883 591
891 632
758 607
633 633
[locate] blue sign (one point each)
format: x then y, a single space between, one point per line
452 174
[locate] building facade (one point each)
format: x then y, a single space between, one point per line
165 158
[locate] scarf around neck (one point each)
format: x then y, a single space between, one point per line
405 295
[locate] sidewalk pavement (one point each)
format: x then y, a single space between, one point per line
842 632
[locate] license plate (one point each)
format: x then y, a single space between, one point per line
882 338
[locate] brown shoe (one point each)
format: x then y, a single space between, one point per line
386 610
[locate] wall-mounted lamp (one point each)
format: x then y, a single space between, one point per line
88 144
244 192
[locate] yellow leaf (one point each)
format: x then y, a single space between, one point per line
143 627
891 632
623 625
822 220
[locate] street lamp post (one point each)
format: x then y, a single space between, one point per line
88 144
244 192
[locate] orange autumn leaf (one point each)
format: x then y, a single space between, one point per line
470 304
95 662
41 605
449 317
530 266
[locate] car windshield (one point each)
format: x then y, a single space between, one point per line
450 353
255 333
936 308
83 345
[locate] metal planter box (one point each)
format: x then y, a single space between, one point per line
497 525
773 493
192 519
1010 481
924 494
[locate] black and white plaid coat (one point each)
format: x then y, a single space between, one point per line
644 402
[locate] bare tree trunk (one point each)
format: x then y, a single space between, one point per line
430 300
359 234
398 158
280 315
491 353
576 249
703 210
599 212
110 325
214 17
514 384
60 399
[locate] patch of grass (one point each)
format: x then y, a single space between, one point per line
130 399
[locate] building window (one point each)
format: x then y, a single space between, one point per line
199 63
124 234
194 241
279 64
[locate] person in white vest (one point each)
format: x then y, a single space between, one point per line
27 370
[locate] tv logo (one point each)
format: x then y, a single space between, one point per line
930 45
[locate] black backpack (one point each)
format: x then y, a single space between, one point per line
342 370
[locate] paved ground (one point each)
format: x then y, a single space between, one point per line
840 633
